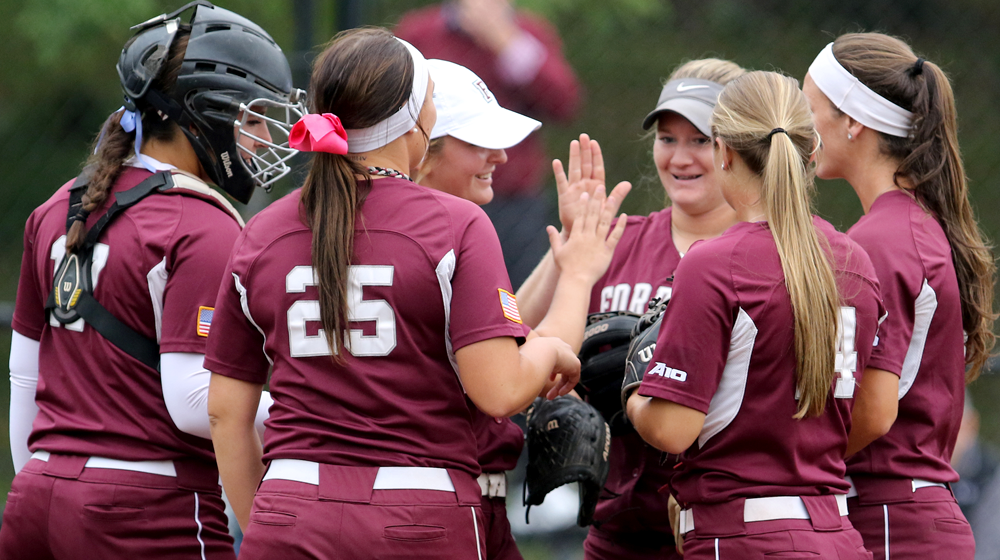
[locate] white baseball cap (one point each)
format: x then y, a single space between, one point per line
468 110
692 99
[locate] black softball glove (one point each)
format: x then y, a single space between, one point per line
568 441
602 361
640 351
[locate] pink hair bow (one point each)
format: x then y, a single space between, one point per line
319 133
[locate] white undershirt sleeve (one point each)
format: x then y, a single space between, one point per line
185 392
23 382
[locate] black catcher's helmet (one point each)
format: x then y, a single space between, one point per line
231 67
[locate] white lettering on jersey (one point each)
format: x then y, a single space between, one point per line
846 363
301 312
640 297
619 299
616 298
98 261
663 370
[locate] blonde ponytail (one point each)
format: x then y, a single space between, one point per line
764 118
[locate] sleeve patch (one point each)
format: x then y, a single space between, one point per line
508 303
205 320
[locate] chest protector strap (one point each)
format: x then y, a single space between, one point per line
72 296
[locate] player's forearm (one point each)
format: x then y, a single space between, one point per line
238 452
567 314
232 407
665 425
876 403
23 385
535 295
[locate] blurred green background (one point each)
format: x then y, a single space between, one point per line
58 84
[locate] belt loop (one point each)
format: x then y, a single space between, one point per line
719 520
823 512
347 484
875 490
467 488
65 466
197 476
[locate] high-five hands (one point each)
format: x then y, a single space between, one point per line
585 174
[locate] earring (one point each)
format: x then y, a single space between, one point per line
723 166
850 136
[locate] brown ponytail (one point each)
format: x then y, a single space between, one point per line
930 159
114 146
363 76
764 117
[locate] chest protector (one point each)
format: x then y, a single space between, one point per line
72 296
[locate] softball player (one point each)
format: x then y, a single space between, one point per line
888 122
467 144
762 430
382 308
108 415
631 519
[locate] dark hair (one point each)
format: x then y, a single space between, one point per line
363 76
113 145
929 158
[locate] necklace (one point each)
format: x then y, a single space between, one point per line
386 172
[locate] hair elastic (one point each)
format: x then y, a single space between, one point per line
848 94
918 67
775 131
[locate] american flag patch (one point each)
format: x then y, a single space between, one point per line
205 320
508 303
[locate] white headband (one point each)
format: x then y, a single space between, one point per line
854 98
367 139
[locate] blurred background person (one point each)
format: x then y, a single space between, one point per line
520 56
978 490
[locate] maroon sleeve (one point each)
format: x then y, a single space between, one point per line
895 331
482 303
694 338
29 309
236 346
555 91
195 263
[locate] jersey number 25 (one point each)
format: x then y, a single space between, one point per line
303 345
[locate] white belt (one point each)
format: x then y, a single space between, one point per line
916 483
388 478
767 509
493 485
162 468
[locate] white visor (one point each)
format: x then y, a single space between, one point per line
855 98
468 110
367 139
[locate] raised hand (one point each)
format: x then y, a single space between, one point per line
587 252
585 174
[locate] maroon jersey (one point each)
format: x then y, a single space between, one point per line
156 268
726 348
921 340
427 279
499 440
643 261
640 269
